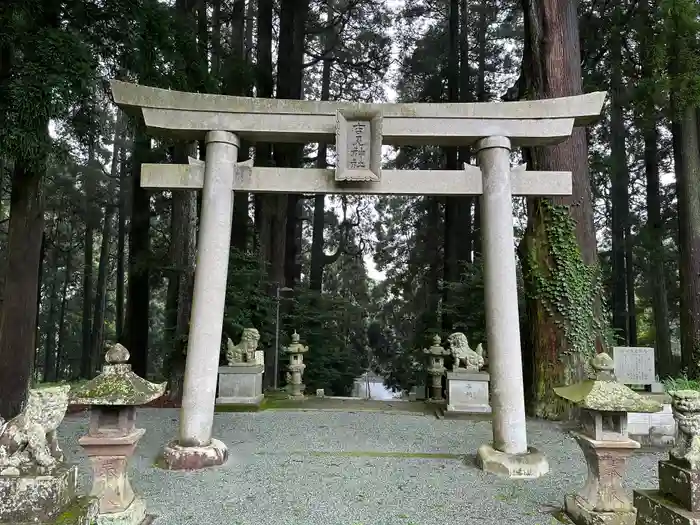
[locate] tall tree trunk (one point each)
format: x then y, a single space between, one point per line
686 154
239 230
318 257
18 309
619 188
37 325
466 94
137 307
50 330
290 71
121 251
560 238
454 228
90 223
97 340
64 303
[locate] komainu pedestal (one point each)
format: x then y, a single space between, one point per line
604 404
677 501
240 383
467 386
36 485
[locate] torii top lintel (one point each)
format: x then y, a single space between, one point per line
191 115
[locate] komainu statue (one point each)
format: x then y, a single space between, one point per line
686 412
243 352
464 356
28 441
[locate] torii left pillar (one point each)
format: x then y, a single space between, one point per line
195 447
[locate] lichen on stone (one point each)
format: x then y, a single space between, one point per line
117 384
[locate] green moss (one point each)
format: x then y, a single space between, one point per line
76 513
372 454
240 407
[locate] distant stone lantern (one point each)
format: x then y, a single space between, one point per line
296 367
112 436
436 367
603 437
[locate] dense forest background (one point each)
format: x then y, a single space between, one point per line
87 256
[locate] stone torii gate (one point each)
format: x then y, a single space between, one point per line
359 131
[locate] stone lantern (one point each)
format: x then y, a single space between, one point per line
296 366
112 436
604 404
436 368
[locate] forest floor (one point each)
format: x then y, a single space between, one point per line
350 468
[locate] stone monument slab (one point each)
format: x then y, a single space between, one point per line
358 142
240 385
468 392
634 365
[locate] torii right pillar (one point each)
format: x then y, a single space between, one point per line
509 453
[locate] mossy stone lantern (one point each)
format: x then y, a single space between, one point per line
112 435
296 367
604 404
436 367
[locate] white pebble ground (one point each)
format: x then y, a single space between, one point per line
285 469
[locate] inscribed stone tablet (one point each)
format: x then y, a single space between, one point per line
358 142
260 357
634 365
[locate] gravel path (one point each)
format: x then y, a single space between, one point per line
315 468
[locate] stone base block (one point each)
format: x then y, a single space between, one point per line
468 392
37 498
134 514
176 457
531 465
581 513
654 509
240 385
681 483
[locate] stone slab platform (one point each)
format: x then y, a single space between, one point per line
37 498
655 509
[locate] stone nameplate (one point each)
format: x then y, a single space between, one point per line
634 365
260 357
358 142
468 392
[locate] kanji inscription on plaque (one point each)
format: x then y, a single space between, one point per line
358 141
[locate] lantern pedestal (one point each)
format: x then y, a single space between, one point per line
603 501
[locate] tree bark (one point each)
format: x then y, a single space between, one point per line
121 251
619 189
555 351
90 223
50 330
64 303
19 308
138 290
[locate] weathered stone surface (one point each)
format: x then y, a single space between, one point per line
468 392
464 357
581 513
244 351
358 142
117 384
655 509
28 442
240 384
134 514
296 367
634 365
531 465
176 457
681 483
604 393
37 498
82 511
606 462
686 412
